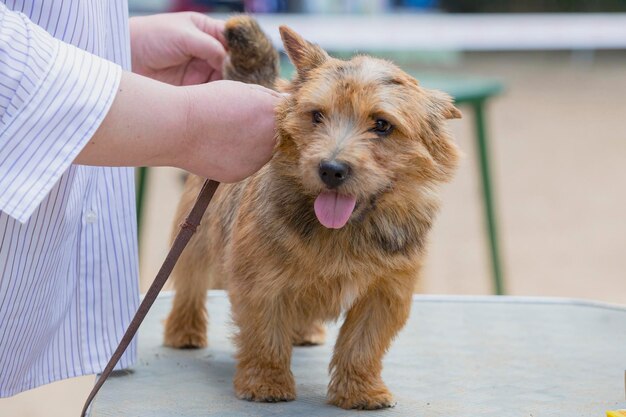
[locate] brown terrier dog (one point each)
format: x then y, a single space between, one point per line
336 221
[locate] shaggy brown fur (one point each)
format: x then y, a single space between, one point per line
285 272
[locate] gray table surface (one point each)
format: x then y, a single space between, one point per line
457 356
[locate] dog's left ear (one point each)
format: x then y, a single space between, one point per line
304 55
444 105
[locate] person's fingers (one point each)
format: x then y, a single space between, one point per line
210 26
199 45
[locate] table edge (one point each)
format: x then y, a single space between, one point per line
475 299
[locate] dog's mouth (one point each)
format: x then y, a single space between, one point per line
333 210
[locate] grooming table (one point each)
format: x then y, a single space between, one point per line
457 356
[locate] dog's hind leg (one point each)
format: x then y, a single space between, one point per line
186 326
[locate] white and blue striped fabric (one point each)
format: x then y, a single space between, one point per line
68 245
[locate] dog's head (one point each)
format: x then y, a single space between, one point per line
352 130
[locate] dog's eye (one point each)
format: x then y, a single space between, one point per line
317 116
382 127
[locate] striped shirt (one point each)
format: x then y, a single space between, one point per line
68 245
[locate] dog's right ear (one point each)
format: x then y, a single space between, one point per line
444 105
304 55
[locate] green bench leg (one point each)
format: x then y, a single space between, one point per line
142 174
488 200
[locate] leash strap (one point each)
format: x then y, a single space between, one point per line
187 230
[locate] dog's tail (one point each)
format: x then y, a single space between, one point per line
251 56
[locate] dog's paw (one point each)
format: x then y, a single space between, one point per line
271 389
313 335
267 393
184 336
185 339
371 399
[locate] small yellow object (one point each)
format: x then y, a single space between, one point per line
616 413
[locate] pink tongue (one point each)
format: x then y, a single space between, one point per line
333 210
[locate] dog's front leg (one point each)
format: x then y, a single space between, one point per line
264 343
364 338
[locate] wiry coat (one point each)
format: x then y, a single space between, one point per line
286 273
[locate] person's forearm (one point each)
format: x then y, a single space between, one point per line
144 126
222 130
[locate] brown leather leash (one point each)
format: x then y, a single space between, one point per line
187 230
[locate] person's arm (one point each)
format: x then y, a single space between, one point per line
222 130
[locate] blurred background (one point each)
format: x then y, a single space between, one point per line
542 83
549 79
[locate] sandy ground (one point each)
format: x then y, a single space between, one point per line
559 162
559 158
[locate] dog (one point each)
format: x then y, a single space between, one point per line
336 222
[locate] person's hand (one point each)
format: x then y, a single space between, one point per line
178 48
230 130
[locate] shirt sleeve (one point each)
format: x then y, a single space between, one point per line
53 97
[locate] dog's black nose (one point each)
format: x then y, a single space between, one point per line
334 173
